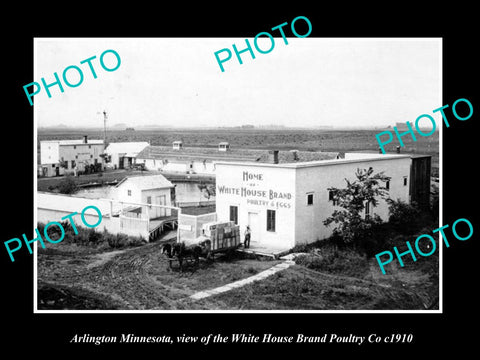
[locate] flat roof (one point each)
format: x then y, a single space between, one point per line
412 155
74 142
234 155
306 164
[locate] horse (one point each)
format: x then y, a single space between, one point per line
167 249
182 251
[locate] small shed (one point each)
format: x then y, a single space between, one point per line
148 189
223 146
177 145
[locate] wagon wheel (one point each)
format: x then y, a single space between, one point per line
210 256
231 252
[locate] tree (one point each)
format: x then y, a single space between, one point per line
367 188
207 189
67 185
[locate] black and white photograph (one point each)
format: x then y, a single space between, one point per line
185 182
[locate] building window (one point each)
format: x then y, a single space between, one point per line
310 199
76 156
53 165
271 220
91 156
405 180
387 184
234 214
74 147
89 146
149 199
129 192
331 197
73 164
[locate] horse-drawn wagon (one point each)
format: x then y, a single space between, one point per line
216 237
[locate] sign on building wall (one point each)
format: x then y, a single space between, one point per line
256 191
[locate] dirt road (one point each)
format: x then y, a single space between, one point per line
132 279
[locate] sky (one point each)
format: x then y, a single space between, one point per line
339 82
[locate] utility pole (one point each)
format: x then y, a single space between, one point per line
105 127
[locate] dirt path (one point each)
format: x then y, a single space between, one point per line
138 278
260 276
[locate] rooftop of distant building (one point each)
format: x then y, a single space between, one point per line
233 154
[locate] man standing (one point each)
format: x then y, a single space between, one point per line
246 243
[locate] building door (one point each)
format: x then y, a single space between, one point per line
254 223
160 200
57 171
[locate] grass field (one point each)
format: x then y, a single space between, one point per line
98 277
308 139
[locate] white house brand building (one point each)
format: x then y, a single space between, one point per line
285 204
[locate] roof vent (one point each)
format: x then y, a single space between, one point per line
223 146
177 145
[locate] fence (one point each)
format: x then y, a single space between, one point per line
194 203
52 207
190 226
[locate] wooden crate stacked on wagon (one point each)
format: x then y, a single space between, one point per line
224 236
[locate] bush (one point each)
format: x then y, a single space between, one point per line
67 185
121 240
94 237
404 217
310 261
54 232
347 262
134 241
117 241
90 236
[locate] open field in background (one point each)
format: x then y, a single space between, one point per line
288 139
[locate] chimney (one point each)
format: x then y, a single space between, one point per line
295 154
273 156
85 141
398 149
